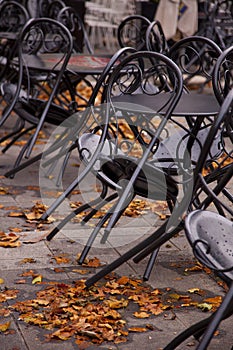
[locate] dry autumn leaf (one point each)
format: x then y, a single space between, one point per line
36 212
10 240
141 314
3 191
37 279
5 326
61 259
28 260
138 329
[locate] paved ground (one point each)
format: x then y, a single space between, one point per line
182 286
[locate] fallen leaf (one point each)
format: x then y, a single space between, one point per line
137 329
37 279
116 304
141 314
3 191
5 326
61 259
81 271
16 214
204 306
28 260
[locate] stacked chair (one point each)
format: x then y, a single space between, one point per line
13 16
210 233
32 94
217 155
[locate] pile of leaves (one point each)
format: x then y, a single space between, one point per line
96 315
90 315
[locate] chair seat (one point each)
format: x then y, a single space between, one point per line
211 236
31 111
151 182
115 166
171 151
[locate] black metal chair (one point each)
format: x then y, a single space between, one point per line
13 17
196 56
54 8
155 38
74 23
132 32
216 22
125 153
32 90
218 177
223 74
210 233
43 7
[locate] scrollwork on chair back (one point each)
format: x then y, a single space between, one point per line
45 38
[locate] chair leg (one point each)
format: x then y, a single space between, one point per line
95 233
34 159
12 172
150 265
207 326
93 237
153 238
218 317
76 212
98 207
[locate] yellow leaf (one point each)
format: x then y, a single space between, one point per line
37 279
5 326
1 281
204 307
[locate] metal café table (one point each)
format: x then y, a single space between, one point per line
79 63
189 105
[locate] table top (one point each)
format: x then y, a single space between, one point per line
79 63
192 104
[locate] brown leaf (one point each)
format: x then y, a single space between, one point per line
15 229
9 240
138 329
117 304
123 280
95 262
16 214
3 191
61 259
141 314
28 260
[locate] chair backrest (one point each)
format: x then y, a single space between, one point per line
74 23
155 38
196 56
13 16
132 32
223 74
43 7
54 8
213 172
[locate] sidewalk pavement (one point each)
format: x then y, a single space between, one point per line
183 287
